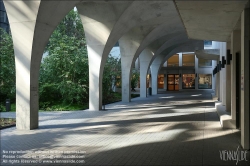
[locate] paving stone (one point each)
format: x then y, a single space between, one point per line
183 130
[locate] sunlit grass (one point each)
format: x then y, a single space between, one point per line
4 122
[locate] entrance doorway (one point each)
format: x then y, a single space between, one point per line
173 82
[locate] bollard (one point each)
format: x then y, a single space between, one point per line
7 105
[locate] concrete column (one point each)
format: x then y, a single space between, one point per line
165 64
150 79
221 81
128 46
180 59
180 71
245 61
137 63
97 30
223 50
23 24
228 86
145 58
218 86
214 63
235 47
154 74
196 72
126 62
31 23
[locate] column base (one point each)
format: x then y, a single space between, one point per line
226 120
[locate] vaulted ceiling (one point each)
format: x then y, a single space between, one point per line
210 20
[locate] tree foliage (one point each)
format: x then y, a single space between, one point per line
134 78
111 75
7 67
64 72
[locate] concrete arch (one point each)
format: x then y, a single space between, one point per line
31 23
154 52
158 51
98 19
189 46
145 58
149 54
41 18
128 15
141 23
129 45
161 34
168 45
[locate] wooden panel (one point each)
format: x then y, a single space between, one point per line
170 87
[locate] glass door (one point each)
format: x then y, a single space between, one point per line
173 82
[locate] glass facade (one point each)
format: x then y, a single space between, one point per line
205 81
204 63
188 81
188 60
4 23
185 72
173 61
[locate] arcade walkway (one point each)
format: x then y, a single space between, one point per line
178 128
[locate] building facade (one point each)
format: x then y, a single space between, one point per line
185 70
4 23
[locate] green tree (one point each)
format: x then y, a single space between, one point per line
134 78
7 67
111 73
64 72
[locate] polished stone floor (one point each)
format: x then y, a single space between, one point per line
173 128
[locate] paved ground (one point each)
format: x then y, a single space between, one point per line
179 128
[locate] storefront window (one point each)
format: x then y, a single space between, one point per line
161 81
173 61
205 81
205 62
188 60
188 81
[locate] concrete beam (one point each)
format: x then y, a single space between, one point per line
211 54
